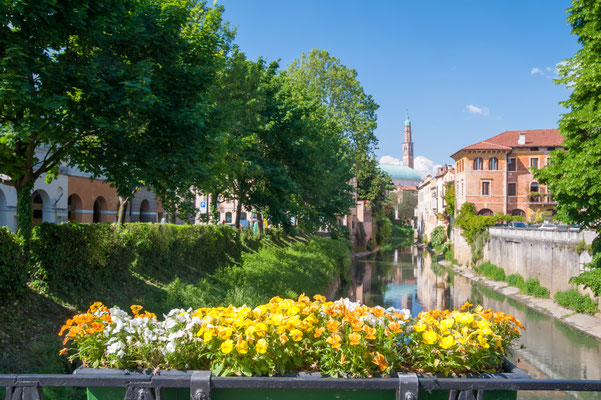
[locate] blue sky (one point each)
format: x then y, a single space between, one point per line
466 70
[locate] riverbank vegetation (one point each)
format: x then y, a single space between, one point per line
159 266
571 298
400 235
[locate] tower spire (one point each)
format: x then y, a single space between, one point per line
408 144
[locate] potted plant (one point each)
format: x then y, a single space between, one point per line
338 339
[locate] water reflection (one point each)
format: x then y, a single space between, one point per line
408 278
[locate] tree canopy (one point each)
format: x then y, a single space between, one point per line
574 176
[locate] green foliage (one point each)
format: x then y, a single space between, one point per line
576 301
303 267
438 236
13 266
491 271
581 247
515 280
340 232
533 287
574 176
590 279
449 199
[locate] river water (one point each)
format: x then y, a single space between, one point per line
408 278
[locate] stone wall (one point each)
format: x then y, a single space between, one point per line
549 256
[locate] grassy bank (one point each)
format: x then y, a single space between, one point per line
160 267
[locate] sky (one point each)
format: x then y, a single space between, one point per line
464 70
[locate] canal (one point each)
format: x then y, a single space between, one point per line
408 278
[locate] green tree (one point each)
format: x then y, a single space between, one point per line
407 206
574 176
336 86
449 200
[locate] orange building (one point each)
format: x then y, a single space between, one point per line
496 175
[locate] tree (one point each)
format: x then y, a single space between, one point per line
574 176
408 204
41 44
336 86
115 86
153 113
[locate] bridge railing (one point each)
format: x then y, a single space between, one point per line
200 383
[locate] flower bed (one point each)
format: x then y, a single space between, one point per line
339 339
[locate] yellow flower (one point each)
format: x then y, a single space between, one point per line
296 335
446 324
261 346
227 346
420 327
465 306
370 333
447 342
242 347
483 341
465 318
380 361
224 333
430 337
333 325
208 336
284 339
136 309
355 339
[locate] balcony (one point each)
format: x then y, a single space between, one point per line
541 199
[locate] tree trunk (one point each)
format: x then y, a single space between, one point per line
24 187
173 218
260 222
238 212
214 210
122 209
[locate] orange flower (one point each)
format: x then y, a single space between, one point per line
370 332
334 341
380 361
319 298
355 339
319 331
284 339
333 325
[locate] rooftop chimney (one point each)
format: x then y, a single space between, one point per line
522 138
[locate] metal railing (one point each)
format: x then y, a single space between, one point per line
200 383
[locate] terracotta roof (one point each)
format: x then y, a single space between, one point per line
509 140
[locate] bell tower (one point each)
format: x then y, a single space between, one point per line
408 144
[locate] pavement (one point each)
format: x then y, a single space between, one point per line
589 324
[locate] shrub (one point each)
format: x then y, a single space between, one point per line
515 280
534 288
340 232
491 271
13 268
576 301
438 236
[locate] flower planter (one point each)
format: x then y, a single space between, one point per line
300 386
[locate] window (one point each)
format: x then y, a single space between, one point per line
549 161
511 189
511 164
493 164
478 164
534 187
534 162
485 188
533 148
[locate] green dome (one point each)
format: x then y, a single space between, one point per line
401 172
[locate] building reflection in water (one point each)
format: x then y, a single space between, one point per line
409 278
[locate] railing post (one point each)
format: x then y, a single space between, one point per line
200 385
408 387
24 390
140 391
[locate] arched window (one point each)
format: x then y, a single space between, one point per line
534 187
74 208
145 215
493 164
228 217
242 216
38 208
478 164
99 207
518 213
485 211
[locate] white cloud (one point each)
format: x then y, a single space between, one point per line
536 70
425 166
390 160
477 110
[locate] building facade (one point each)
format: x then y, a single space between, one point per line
496 174
431 202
